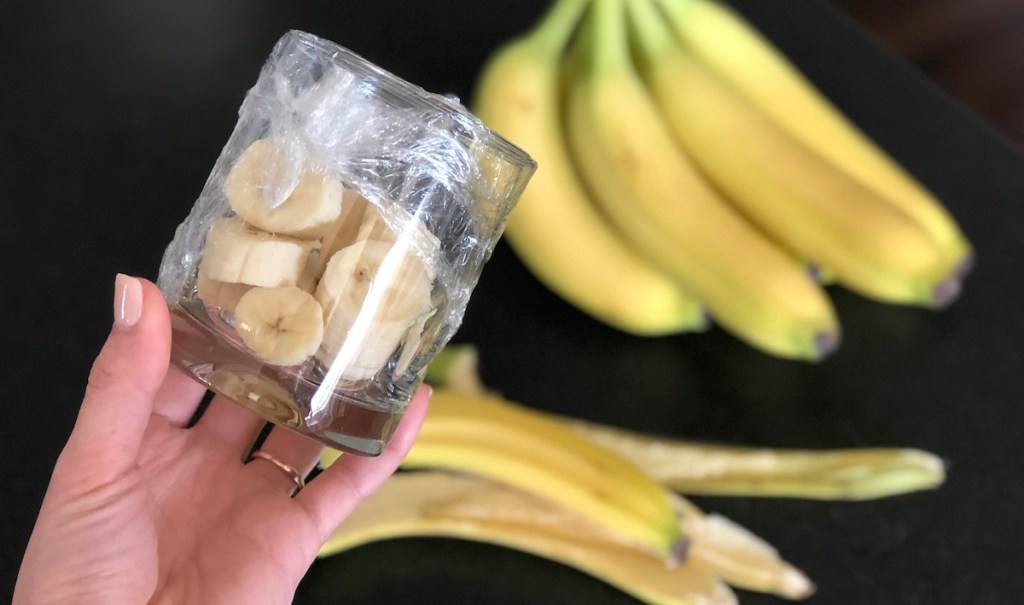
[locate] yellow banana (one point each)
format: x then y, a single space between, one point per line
494 438
646 185
432 503
733 49
554 229
791 192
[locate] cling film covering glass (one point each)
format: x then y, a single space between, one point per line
335 245
420 159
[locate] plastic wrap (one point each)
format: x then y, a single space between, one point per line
397 144
418 158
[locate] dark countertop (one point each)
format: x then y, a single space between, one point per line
113 112
974 50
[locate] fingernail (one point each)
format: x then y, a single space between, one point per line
127 301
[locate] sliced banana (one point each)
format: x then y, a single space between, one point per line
353 209
235 253
219 294
373 226
412 343
343 232
311 208
373 293
413 233
282 325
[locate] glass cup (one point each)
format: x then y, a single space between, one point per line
334 247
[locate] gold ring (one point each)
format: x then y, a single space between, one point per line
291 470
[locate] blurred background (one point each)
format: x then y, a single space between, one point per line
112 113
974 50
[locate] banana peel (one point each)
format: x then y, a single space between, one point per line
739 557
719 553
437 503
488 437
715 470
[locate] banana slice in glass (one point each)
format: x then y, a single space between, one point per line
238 254
373 293
224 295
282 325
374 227
311 208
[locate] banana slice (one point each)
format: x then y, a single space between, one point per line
411 346
313 206
354 207
373 294
219 294
236 253
282 325
342 233
413 232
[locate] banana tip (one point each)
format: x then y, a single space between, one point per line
795 585
964 267
816 273
934 466
946 291
679 551
825 343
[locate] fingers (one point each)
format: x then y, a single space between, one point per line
229 423
178 397
299 454
341 487
125 377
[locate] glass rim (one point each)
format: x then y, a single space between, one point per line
415 95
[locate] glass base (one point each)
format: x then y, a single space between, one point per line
281 395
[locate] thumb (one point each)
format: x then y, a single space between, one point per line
124 378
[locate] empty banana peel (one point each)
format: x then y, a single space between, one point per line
719 552
738 556
486 437
433 503
691 468
695 468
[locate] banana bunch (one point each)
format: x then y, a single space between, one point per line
602 499
319 275
687 170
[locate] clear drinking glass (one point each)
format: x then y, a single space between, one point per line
335 244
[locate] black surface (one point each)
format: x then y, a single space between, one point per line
112 114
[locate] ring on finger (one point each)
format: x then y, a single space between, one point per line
289 470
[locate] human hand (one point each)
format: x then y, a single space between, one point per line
141 509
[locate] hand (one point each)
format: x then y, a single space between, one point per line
141 509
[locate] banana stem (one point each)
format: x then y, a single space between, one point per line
676 9
556 27
691 468
653 36
603 39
